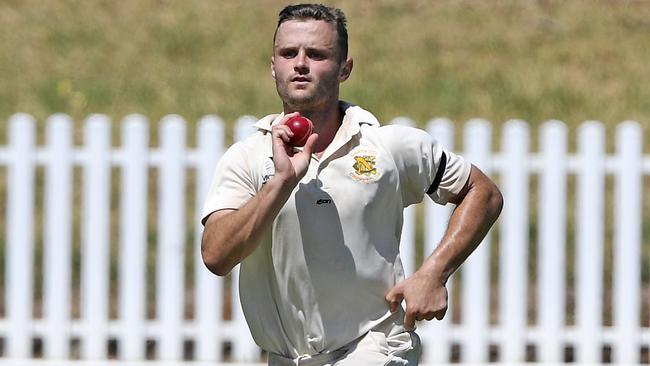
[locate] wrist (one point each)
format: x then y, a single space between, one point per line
283 182
435 270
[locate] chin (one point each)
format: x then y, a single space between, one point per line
301 101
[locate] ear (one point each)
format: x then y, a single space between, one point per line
346 70
273 67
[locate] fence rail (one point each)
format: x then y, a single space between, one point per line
490 311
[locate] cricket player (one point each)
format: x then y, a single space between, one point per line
329 289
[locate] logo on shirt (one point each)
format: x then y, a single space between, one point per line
268 171
365 169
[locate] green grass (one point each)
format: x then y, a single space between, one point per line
534 60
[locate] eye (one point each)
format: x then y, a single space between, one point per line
288 53
316 55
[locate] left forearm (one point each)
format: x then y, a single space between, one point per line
478 208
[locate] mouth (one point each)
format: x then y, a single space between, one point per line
300 79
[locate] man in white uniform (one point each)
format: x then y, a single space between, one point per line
328 289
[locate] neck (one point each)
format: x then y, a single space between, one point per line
326 122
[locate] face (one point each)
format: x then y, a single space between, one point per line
306 64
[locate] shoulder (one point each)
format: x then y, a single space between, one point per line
245 146
251 148
399 132
260 135
400 139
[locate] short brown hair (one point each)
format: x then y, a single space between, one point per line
318 12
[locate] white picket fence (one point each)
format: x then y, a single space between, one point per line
476 330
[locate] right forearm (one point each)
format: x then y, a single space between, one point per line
229 238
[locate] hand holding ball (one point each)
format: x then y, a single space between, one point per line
302 128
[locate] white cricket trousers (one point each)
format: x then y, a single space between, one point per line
373 348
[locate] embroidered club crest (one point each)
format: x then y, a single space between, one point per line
365 165
365 169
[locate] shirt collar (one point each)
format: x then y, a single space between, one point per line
354 116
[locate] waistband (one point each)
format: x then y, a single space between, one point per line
387 326
310 360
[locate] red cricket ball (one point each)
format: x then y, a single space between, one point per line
301 128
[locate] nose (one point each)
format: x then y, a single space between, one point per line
302 65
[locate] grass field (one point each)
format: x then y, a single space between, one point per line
534 60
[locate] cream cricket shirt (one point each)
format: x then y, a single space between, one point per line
335 248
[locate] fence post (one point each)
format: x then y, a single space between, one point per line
552 203
209 288
132 278
20 235
435 334
513 251
476 270
95 236
627 242
589 240
170 266
57 239
244 348
59 158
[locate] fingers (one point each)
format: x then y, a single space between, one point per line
418 307
412 316
287 117
409 320
282 132
393 306
440 314
309 145
394 298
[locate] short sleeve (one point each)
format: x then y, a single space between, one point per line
232 184
424 166
452 172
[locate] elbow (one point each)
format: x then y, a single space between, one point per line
221 271
495 201
215 265
213 261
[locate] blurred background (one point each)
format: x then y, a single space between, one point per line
534 60
499 60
